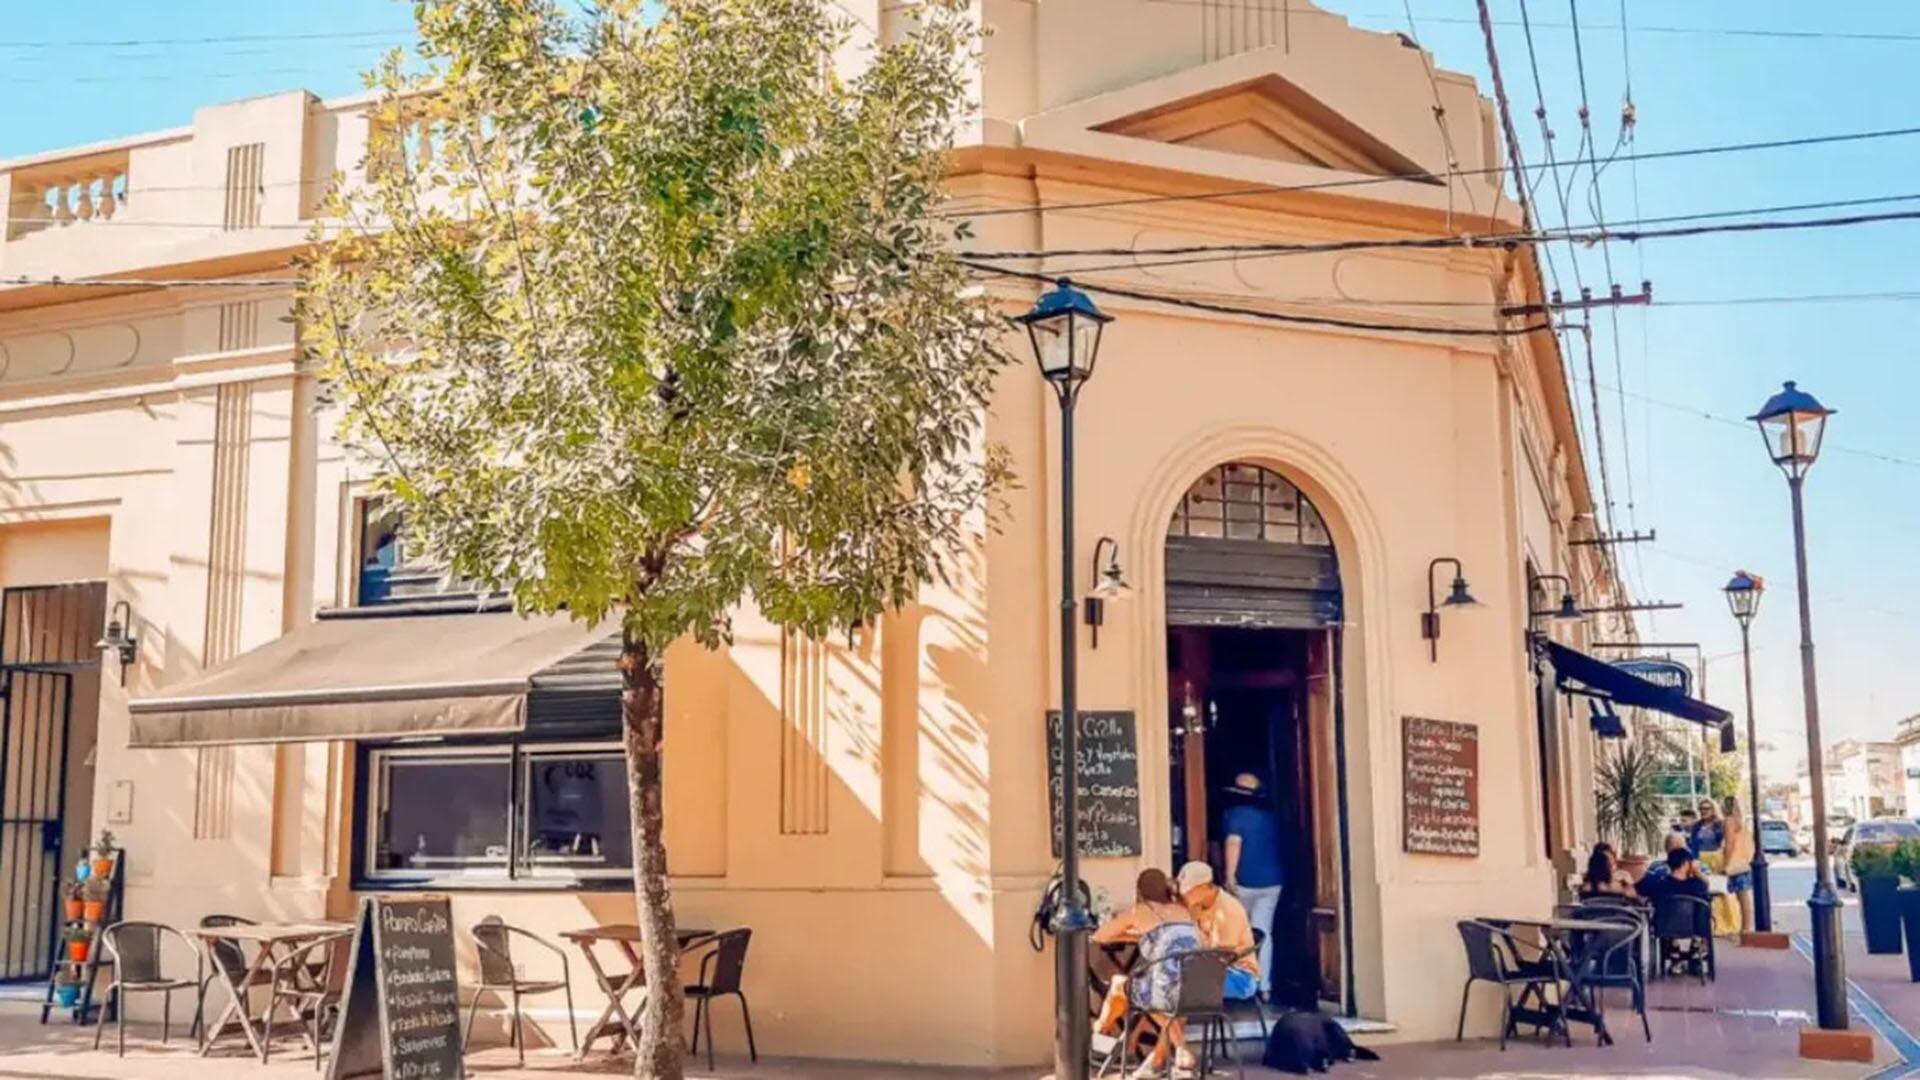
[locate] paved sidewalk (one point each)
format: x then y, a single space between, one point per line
1745 1025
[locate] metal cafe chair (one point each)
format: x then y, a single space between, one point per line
1495 956
310 982
722 969
1683 937
1253 1006
500 976
1597 959
230 967
1201 1003
137 952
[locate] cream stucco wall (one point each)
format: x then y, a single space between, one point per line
164 440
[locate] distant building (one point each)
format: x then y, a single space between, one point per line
1868 780
1908 740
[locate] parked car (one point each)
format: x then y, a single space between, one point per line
1777 839
1837 826
1880 832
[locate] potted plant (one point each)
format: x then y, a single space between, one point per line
1906 863
79 938
101 861
66 986
93 898
1626 798
1879 884
75 903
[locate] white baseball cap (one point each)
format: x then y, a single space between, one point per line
1193 875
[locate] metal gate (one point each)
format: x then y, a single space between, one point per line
47 635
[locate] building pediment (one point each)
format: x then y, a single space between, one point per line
1290 119
1265 117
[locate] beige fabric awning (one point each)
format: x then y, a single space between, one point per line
385 676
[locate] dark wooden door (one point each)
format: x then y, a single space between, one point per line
46 639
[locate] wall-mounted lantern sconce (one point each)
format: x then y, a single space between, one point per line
120 638
1565 611
1108 584
1605 721
1457 596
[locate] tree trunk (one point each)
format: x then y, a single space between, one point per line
661 1054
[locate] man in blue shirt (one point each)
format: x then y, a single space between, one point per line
1254 873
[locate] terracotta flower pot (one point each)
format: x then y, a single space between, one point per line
73 909
77 951
1634 865
101 867
93 910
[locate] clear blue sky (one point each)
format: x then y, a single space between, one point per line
1703 484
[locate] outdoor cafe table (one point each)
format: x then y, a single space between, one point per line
271 941
1578 1002
614 1021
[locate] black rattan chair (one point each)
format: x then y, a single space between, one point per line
722 969
500 976
138 954
1683 937
1495 956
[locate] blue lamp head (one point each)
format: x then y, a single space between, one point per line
1792 423
1743 595
1065 326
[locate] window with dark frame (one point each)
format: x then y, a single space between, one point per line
1241 501
501 813
386 571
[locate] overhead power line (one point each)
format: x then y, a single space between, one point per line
1711 31
223 39
1262 313
1584 234
152 283
1587 235
1436 177
1723 419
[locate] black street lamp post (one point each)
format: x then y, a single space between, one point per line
1743 599
1064 327
1792 423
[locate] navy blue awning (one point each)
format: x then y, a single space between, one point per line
1578 673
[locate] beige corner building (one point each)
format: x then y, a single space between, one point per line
1277 493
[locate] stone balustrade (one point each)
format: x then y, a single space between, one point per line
60 194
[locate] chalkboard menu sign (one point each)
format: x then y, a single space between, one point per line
400 1017
1109 775
1440 787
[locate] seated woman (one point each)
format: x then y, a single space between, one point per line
1163 928
1604 876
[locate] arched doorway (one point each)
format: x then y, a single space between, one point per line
1253 602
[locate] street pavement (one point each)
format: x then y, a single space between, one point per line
1792 882
1743 1025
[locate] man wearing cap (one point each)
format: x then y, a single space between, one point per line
1254 873
1222 923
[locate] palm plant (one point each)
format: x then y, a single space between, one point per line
1626 798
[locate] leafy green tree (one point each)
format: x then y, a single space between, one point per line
644 315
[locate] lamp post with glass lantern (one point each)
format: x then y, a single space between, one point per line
1743 599
1064 328
1792 423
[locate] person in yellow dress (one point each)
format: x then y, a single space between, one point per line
1737 849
